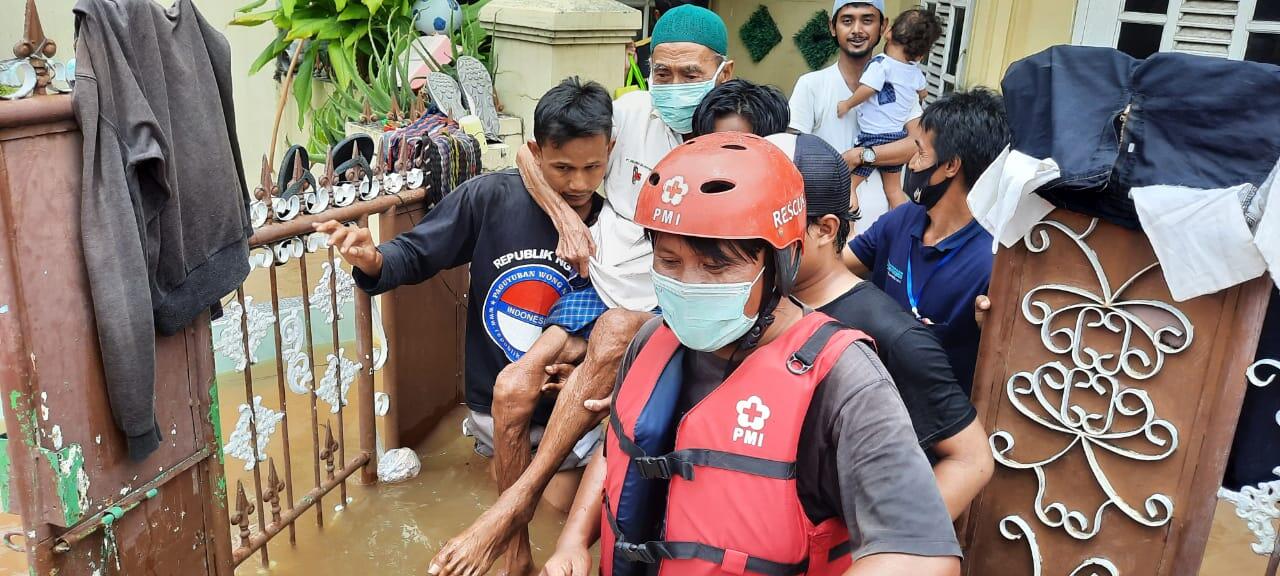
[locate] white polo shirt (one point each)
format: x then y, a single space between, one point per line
621 268
813 111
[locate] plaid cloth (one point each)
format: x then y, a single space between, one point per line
578 310
867 140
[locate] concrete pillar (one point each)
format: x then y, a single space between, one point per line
538 43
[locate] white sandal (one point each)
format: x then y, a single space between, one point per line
446 94
478 88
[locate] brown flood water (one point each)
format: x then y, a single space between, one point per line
397 528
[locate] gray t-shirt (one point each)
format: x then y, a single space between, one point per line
858 460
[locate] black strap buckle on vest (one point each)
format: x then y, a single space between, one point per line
635 552
801 362
663 467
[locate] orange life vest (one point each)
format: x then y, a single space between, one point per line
715 493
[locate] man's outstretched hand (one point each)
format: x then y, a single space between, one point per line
355 245
575 246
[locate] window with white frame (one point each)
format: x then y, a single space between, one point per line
944 65
1237 29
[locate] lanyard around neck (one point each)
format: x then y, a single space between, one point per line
913 297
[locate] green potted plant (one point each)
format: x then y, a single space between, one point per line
363 44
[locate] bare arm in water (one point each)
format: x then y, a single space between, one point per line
582 528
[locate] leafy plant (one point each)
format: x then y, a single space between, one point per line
388 82
342 35
365 43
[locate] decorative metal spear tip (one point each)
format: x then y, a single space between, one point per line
36 47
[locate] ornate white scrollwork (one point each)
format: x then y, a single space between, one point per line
1015 528
1254 374
261 257
230 339
316 241
366 190
320 297
240 443
393 183
227 334
316 200
292 338
258 213
344 194
288 249
286 209
1142 351
1259 507
1065 396
330 390
415 178
346 294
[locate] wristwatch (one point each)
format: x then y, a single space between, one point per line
869 156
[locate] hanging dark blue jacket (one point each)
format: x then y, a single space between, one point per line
1113 122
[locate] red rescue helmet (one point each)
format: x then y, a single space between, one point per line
732 186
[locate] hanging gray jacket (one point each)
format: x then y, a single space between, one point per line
164 213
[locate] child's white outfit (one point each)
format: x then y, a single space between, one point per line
882 119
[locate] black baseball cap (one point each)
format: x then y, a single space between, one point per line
826 176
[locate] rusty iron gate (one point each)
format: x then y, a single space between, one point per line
69 477
83 505
284 234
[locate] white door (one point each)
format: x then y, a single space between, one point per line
1237 29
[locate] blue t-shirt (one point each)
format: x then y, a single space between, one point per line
946 278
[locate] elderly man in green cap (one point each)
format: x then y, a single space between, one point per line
610 301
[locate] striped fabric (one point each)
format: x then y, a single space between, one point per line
867 140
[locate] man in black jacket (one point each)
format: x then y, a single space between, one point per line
492 223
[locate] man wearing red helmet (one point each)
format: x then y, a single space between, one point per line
704 473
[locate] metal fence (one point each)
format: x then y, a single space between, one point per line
284 233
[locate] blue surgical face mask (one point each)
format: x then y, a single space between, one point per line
676 103
705 317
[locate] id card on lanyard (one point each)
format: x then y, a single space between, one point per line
913 296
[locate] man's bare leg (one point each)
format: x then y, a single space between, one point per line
474 551
515 396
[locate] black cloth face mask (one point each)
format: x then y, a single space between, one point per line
919 190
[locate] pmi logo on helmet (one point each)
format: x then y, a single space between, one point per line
673 193
674 190
788 212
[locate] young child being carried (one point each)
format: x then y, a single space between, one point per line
890 87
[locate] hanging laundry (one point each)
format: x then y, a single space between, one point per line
1003 200
1111 123
165 206
1175 145
446 154
1200 237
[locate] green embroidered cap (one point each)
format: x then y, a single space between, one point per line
689 23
